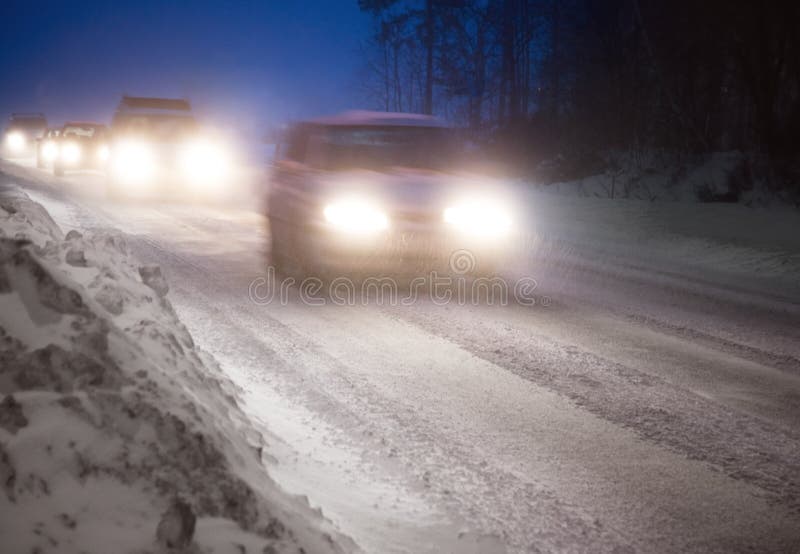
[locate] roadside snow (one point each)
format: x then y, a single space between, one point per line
733 245
654 176
117 434
649 210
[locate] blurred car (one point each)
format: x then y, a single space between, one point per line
158 149
47 147
78 145
374 191
22 131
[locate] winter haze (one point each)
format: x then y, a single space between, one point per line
399 276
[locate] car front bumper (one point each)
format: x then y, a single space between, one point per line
423 249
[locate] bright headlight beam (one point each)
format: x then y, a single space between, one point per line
15 140
480 218
133 162
355 216
70 153
204 162
49 151
102 153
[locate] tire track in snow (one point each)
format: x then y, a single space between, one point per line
743 447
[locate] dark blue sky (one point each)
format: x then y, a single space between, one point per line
251 62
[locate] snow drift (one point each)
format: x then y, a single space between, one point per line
117 434
659 176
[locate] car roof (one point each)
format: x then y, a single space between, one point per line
83 124
137 104
365 118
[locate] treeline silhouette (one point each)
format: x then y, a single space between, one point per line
571 81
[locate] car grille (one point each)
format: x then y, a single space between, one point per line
417 217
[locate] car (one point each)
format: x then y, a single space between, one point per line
47 147
79 145
366 192
158 149
21 134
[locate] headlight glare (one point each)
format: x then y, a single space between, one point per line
132 162
481 218
102 153
355 216
49 151
204 162
70 153
16 141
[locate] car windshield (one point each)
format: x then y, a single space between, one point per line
159 127
375 147
81 131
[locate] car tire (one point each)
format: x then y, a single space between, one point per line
282 251
294 252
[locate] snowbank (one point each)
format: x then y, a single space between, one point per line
655 176
116 433
655 221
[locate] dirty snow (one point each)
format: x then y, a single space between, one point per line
117 434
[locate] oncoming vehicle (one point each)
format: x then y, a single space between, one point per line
47 147
373 191
21 134
158 149
80 145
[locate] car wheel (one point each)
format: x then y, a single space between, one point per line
286 249
294 252
279 249
311 254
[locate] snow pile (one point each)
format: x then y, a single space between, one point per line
116 433
718 178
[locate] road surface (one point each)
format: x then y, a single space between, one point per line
627 410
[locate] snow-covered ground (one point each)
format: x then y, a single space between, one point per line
655 219
117 433
756 249
650 406
657 176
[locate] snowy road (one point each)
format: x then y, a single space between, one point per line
638 411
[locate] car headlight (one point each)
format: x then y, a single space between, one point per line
204 162
132 162
16 141
356 216
49 151
480 218
70 153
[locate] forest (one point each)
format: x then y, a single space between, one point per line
559 89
